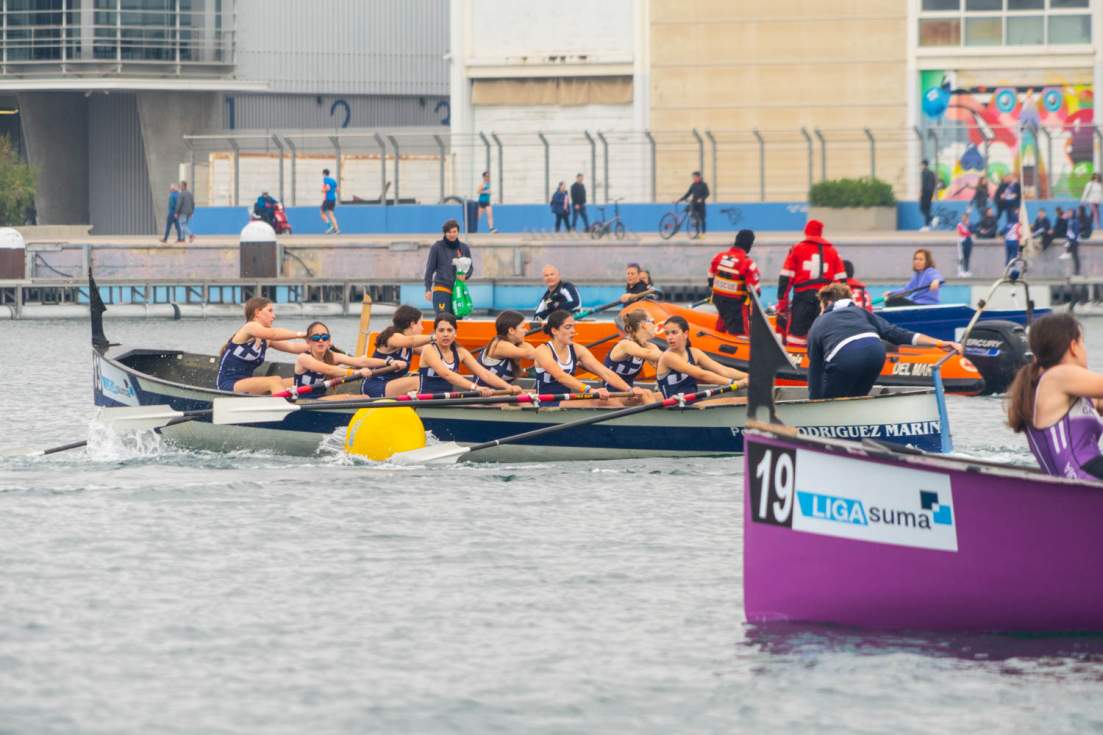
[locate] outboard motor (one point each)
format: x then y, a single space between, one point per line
998 348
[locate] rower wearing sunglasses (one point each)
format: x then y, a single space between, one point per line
322 360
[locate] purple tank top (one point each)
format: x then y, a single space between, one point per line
1064 448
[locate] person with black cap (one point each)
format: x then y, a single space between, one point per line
810 265
731 273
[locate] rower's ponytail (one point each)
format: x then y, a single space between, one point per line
404 317
1050 339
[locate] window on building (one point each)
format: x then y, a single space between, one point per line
929 5
1060 4
1070 29
1004 22
940 32
1026 30
1026 4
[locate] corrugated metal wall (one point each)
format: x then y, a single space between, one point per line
291 111
119 198
392 47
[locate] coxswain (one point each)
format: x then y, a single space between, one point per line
810 265
924 284
1055 399
560 294
845 351
244 352
322 361
559 359
449 259
858 290
634 285
683 367
628 356
731 273
441 360
504 353
396 346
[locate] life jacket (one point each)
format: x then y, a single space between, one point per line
859 294
733 272
812 264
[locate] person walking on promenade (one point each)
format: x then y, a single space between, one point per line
697 193
449 259
329 202
578 204
928 184
170 216
484 202
732 274
561 207
185 208
560 294
1093 195
811 264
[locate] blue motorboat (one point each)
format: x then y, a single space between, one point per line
948 321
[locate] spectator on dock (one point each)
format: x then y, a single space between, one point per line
1011 198
964 246
1012 236
185 208
696 194
265 209
329 202
484 202
578 204
1042 229
449 260
560 294
1072 240
170 216
1093 195
928 184
987 228
561 208
1060 224
979 202
1085 221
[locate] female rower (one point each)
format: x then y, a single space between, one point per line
396 345
322 360
558 359
682 366
441 360
845 352
1056 400
245 351
503 355
627 357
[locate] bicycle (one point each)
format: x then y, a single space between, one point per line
601 226
673 221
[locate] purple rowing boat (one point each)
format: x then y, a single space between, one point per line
861 535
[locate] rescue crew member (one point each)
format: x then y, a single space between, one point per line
682 366
634 285
845 352
924 283
560 294
858 290
441 360
323 361
628 356
449 259
244 352
559 359
1056 400
731 273
503 354
396 346
810 265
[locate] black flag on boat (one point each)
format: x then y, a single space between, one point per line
96 308
767 357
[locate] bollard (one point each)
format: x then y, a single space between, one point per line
259 251
13 255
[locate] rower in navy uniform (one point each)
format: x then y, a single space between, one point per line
628 356
441 360
559 359
503 354
560 294
323 361
244 352
845 352
683 367
396 346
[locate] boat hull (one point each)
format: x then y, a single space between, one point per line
150 377
948 321
954 545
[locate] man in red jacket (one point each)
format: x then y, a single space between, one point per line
810 265
731 274
859 292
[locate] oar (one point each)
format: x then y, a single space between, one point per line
265 409
303 390
447 452
909 292
702 302
598 309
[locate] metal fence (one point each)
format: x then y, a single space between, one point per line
429 165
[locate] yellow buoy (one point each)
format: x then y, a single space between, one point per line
377 433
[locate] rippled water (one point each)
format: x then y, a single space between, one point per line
146 589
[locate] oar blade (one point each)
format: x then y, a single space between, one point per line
139 418
443 453
260 410
21 452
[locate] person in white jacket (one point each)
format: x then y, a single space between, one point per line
1093 195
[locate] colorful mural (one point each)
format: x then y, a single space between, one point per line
977 125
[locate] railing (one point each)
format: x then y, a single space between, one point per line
389 166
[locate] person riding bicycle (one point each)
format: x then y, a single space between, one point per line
697 193
731 273
811 264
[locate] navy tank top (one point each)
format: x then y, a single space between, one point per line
674 383
431 381
545 383
503 368
309 377
628 369
240 361
376 385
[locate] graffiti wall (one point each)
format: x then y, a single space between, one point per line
1037 124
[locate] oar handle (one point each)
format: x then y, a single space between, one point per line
909 292
598 309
